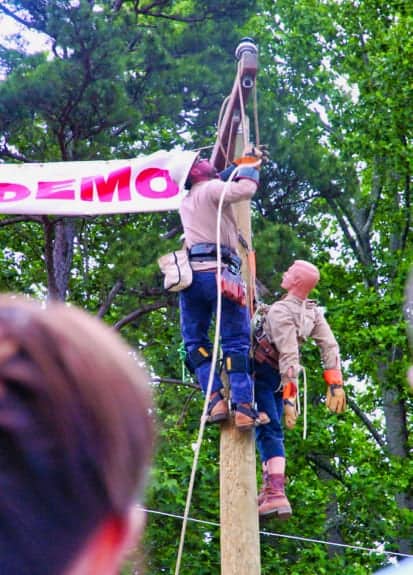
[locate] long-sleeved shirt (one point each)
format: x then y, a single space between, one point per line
288 323
199 210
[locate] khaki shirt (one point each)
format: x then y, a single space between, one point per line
288 323
199 210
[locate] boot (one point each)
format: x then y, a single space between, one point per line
275 500
261 494
217 409
246 417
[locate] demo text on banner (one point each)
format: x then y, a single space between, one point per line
151 183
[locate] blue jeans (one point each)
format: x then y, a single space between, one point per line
268 395
197 306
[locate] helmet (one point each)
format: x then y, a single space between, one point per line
201 170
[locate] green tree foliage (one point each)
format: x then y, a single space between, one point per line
338 120
334 91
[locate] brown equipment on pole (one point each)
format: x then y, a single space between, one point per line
240 543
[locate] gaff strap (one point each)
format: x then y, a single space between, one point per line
198 356
237 362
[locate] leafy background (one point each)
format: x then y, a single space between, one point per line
119 79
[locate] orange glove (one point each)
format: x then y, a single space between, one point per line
290 404
252 155
336 397
254 160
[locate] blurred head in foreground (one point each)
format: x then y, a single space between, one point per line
76 439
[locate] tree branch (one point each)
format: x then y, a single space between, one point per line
17 219
173 381
105 306
373 431
321 462
6 153
376 192
185 407
139 313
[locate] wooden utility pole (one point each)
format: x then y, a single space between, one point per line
240 544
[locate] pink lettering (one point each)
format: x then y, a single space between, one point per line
156 183
20 192
105 189
55 190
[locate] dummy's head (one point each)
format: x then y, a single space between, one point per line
300 278
200 171
76 435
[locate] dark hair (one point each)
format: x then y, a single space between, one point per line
76 433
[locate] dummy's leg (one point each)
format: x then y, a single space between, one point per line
270 443
235 336
196 308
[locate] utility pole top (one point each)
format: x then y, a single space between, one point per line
246 44
247 55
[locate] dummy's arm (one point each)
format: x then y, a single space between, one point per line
330 356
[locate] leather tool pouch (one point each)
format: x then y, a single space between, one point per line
233 287
177 270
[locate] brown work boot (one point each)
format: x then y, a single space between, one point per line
261 494
217 408
246 417
275 500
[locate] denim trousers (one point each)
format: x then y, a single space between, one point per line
197 305
268 395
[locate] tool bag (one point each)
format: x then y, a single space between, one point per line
233 286
176 269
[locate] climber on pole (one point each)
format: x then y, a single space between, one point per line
278 333
199 212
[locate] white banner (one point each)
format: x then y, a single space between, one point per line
146 184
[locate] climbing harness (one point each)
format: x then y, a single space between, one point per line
263 350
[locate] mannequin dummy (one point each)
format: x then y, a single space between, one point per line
288 323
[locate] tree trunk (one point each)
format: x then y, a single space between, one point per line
397 441
59 238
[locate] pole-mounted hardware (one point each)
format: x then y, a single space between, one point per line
247 55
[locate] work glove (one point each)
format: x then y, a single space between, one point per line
259 152
336 397
254 155
290 404
290 412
